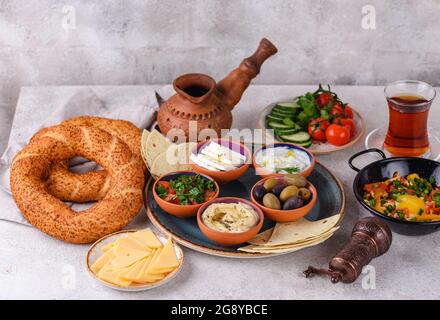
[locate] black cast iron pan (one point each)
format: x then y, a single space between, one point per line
385 168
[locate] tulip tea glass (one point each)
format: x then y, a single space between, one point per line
408 104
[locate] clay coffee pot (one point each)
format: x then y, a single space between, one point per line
199 98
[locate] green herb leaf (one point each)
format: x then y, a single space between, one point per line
288 170
324 113
437 199
161 191
190 189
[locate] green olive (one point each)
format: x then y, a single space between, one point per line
304 193
271 201
295 180
288 192
270 183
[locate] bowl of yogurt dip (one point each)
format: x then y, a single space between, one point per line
229 220
277 159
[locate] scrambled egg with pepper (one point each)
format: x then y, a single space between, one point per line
410 198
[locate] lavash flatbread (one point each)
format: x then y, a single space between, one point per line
270 250
144 137
262 237
183 155
300 230
155 145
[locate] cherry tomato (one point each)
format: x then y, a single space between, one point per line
337 135
348 123
172 198
192 201
164 184
322 99
348 112
336 111
209 195
317 128
376 188
339 111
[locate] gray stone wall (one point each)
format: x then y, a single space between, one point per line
54 42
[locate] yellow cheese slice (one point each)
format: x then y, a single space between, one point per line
167 259
111 275
147 237
132 243
102 261
144 276
108 246
126 256
136 268
160 271
135 271
149 278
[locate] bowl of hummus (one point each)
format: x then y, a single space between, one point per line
230 221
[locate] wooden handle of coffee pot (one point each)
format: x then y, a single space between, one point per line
233 86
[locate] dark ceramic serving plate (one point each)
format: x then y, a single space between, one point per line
331 201
383 169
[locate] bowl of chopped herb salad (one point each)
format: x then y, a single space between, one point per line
182 193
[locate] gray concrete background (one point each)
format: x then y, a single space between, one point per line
153 41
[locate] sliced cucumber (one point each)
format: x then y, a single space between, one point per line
285 132
281 115
278 125
288 105
305 144
286 111
272 118
299 137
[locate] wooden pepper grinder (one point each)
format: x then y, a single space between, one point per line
370 238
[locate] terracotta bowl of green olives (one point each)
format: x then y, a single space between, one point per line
284 199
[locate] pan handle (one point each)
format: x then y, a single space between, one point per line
350 161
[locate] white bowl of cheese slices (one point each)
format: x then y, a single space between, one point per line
134 260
